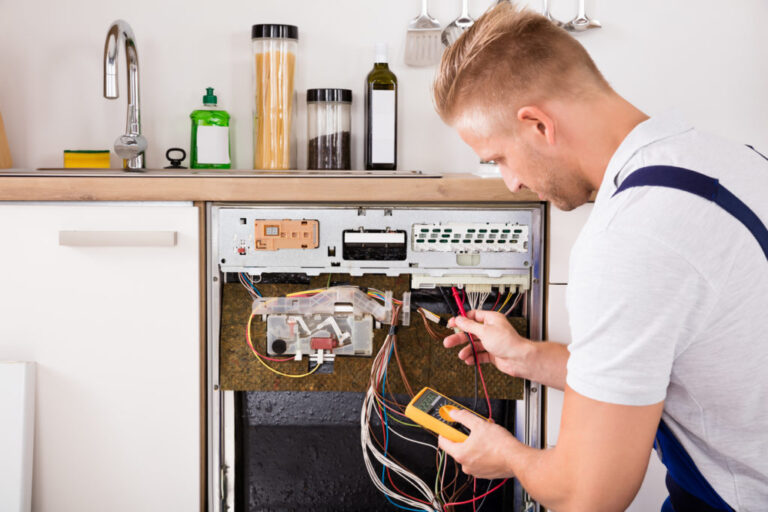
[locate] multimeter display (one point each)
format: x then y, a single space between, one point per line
431 410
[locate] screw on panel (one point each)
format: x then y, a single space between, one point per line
215 279
525 263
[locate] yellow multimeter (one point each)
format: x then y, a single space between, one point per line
432 410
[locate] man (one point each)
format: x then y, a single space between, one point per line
668 297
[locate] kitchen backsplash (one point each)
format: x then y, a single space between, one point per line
708 60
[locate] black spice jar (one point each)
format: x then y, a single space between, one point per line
328 129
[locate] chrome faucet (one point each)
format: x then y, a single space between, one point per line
132 145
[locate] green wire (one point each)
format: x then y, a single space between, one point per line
403 422
437 476
381 404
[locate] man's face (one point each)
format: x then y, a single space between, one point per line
552 177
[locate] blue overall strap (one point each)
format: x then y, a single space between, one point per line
689 491
702 186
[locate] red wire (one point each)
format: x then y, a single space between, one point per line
453 503
498 296
472 341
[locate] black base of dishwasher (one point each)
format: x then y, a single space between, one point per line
301 451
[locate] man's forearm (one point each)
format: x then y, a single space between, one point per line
540 475
546 363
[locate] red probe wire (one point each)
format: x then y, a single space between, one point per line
463 312
454 503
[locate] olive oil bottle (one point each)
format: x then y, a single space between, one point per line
381 114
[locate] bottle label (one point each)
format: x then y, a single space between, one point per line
212 144
382 127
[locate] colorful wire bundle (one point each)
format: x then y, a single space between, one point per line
417 495
249 284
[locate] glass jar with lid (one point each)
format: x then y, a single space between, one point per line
329 113
274 57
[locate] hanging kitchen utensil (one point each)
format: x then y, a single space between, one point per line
5 153
422 43
548 14
581 22
457 26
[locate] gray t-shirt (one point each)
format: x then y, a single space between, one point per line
668 300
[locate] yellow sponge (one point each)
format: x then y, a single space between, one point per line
84 159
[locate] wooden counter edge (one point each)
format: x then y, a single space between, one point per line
449 188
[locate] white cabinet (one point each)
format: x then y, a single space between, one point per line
110 314
557 330
564 228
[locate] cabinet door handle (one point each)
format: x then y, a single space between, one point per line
118 238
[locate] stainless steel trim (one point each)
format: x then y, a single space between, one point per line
208 173
530 409
215 415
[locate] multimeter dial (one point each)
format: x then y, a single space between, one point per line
439 407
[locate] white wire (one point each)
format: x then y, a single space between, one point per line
514 303
376 410
412 479
377 369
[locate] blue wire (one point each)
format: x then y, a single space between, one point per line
386 436
250 284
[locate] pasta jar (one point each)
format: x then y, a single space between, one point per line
328 128
274 58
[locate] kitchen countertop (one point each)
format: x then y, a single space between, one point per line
162 185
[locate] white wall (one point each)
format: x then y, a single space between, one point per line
709 58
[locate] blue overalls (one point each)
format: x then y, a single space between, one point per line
689 491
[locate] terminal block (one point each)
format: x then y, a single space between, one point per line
340 320
470 237
473 283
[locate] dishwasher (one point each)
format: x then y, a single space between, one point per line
324 320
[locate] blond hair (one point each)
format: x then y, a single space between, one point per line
508 57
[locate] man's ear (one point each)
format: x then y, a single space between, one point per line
538 123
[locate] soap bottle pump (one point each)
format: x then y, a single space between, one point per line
210 136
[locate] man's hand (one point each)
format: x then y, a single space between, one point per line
496 341
485 454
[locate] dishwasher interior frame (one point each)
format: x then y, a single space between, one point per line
220 419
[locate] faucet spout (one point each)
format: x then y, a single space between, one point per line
132 145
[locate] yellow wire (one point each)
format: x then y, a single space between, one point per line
509 296
318 290
248 334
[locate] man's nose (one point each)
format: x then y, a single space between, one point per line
516 185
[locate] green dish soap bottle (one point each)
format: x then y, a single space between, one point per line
209 148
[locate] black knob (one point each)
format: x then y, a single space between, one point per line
175 162
279 346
